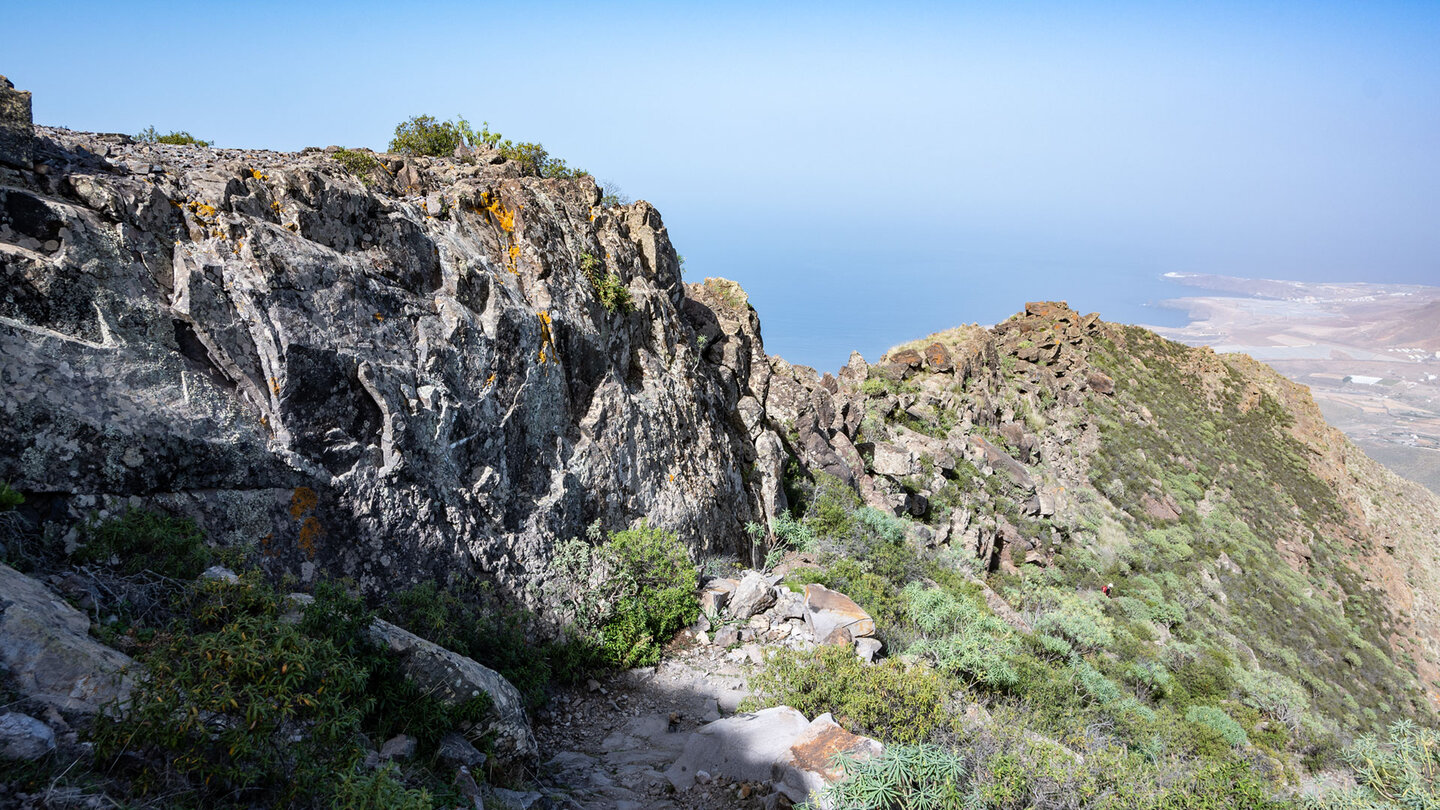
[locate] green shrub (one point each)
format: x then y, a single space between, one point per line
9 498
831 508
226 692
180 138
358 163
1274 694
1079 620
378 789
612 291
627 596
1133 609
1049 646
1397 773
240 705
141 540
424 135
887 700
1218 721
1153 677
657 581
1205 677
962 638
1222 785
1093 682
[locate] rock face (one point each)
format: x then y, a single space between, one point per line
16 132
46 648
453 678
385 381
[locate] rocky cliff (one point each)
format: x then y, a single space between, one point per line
396 368
392 370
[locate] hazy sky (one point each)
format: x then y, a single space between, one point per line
870 172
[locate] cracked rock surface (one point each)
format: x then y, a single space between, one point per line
382 375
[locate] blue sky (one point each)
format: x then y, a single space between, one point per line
870 172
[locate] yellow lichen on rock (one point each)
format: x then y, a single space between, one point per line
546 340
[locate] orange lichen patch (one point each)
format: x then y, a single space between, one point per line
310 533
504 217
819 752
200 209
379 317
275 386
302 501
545 339
275 206
489 381
255 173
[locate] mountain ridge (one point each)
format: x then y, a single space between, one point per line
422 372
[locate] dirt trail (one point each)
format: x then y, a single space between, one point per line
607 744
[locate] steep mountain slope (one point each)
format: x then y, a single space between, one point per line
1060 452
387 370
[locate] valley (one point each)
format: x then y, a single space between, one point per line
1370 354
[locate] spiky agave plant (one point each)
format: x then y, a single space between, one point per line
904 777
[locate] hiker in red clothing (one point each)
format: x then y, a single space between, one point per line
1106 590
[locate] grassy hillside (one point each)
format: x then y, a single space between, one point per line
1245 635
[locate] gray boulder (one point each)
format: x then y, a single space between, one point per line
24 737
742 748
46 647
815 760
868 648
454 679
834 617
751 596
455 751
715 595
893 461
401 746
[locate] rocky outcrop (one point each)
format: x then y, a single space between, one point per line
16 130
387 375
764 614
48 654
